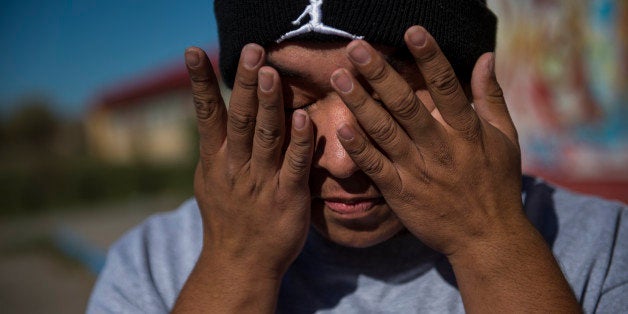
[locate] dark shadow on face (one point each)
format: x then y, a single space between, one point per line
318 151
357 183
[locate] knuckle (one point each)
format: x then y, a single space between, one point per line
241 123
268 137
470 129
409 112
406 196
379 73
246 83
444 82
424 177
200 80
297 163
429 56
443 156
496 95
384 130
470 136
206 106
372 164
405 105
301 143
270 106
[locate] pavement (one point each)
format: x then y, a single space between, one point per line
49 262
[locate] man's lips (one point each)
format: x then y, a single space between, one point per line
351 206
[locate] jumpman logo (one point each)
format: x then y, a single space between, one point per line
315 24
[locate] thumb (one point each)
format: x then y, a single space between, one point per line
488 97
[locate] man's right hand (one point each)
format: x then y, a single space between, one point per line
254 199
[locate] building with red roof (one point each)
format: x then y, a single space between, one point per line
149 118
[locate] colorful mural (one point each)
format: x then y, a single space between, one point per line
563 65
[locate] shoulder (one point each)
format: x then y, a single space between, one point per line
568 213
147 267
589 237
590 227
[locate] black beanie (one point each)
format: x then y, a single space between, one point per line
464 29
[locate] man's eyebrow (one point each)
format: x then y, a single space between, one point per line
285 72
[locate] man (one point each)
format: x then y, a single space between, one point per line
399 152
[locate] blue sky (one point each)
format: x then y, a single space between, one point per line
69 51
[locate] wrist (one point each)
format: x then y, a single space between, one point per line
503 238
506 271
241 266
227 286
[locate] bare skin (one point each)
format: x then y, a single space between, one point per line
383 149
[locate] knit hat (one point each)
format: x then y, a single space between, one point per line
464 29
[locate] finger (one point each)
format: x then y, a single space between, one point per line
374 119
210 109
269 128
243 105
441 81
488 97
296 165
392 88
368 158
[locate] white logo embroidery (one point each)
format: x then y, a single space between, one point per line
315 24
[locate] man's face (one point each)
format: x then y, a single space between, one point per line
346 206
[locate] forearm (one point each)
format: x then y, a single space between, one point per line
514 272
222 286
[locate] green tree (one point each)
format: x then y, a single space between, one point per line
33 125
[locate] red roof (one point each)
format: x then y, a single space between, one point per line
610 189
153 83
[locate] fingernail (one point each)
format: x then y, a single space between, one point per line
342 81
417 36
298 120
359 54
192 58
251 56
345 133
265 81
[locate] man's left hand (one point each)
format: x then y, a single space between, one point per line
448 167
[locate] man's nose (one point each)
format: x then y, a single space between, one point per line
329 153
333 158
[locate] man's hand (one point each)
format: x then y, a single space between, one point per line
254 199
450 173
450 169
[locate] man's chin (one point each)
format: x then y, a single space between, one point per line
356 239
358 232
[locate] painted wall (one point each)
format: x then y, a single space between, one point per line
563 65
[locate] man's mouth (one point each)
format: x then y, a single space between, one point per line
350 207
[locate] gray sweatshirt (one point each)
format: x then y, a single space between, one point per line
147 267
